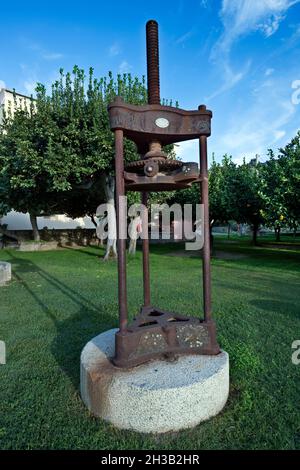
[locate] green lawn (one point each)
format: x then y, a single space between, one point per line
58 300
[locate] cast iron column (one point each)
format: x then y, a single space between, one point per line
145 242
121 223
206 227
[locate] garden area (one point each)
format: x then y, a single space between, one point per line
58 300
107 186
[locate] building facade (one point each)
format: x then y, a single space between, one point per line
10 101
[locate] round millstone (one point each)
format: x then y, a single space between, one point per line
5 272
155 397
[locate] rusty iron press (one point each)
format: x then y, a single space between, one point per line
155 333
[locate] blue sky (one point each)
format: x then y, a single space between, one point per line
239 57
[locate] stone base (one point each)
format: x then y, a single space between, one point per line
155 397
5 272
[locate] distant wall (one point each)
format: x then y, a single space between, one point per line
66 237
19 221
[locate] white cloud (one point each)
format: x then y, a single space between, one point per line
184 37
230 79
259 128
2 84
295 85
29 86
29 44
29 79
188 150
269 72
239 160
240 17
52 55
40 50
271 25
114 50
264 122
278 134
124 67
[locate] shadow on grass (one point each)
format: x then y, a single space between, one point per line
29 266
253 256
72 335
75 331
284 299
97 251
277 306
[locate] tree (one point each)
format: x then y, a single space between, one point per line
221 204
234 194
57 155
24 184
272 177
289 161
246 200
54 156
280 187
217 199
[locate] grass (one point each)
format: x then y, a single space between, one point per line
59 299
269 238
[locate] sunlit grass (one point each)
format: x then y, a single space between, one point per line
58 300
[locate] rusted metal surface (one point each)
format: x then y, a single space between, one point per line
152 62
163 164
155 333
151 168
139 123
146 265
206 225
121 220
179 178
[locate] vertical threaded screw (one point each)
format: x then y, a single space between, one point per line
152 62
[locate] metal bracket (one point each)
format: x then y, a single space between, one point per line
155 334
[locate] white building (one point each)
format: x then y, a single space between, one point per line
9 101
19 221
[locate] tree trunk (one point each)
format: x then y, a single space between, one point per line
228 231
35 229
295 232
132 247
100 240
277 234
93 220
111 246
211 239
254 234
133 232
